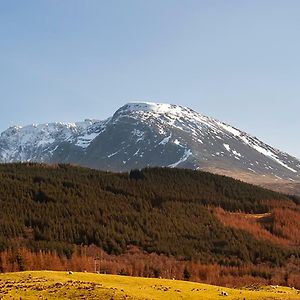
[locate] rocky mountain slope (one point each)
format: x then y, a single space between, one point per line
151 134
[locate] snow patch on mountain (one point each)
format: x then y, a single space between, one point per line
85 140
270 154
24 143
165 140
227 147
187 153
160 108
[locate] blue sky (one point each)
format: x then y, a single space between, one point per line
238 61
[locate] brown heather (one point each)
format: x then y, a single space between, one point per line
135 262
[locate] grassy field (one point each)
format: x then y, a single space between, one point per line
61 285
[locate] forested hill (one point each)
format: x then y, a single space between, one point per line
169 211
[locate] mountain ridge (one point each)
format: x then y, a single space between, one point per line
142 134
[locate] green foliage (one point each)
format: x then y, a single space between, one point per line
162 210
20 262
186 274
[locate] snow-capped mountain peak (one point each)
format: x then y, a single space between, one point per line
143 134
156 109
159 108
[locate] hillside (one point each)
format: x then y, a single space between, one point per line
172 212
61 285
140 135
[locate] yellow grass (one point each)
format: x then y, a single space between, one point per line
61 285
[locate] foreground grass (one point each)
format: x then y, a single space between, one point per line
61 285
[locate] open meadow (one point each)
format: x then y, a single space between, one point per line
62 285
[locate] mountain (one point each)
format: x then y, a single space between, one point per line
152 134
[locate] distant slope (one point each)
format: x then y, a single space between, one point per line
61 285
168 211
139 135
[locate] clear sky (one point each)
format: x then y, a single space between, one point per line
238 61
